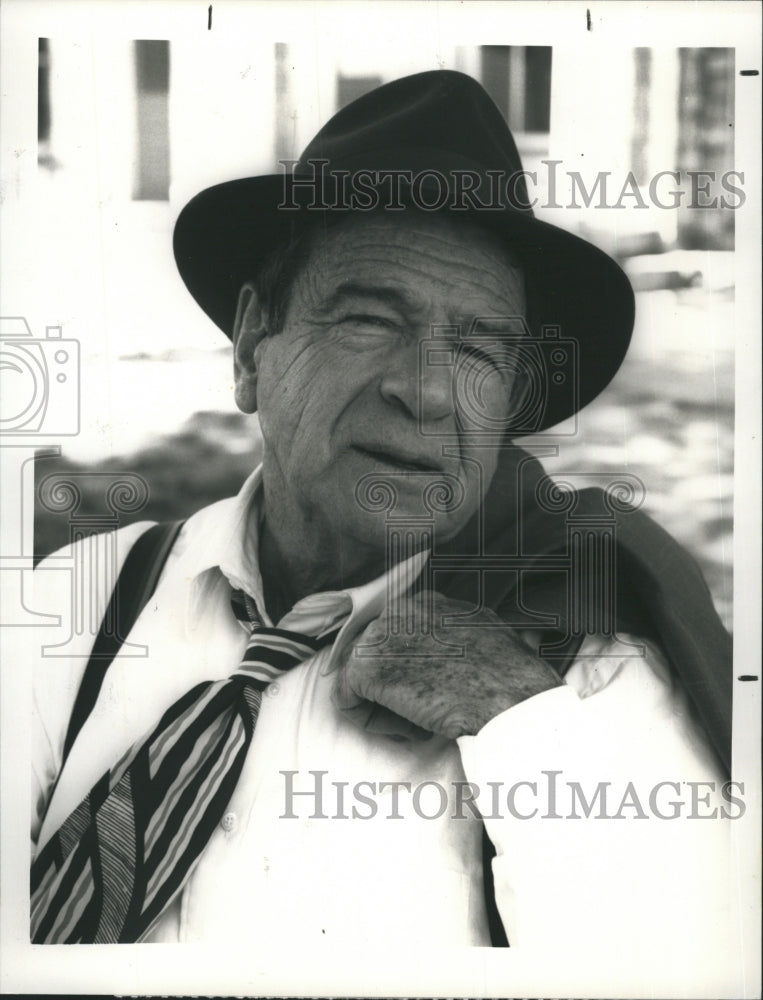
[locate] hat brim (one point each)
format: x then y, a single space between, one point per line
577 296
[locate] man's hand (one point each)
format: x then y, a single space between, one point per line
448 695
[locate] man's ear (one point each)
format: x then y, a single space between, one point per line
248 331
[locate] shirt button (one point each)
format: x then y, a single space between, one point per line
228 822
273 689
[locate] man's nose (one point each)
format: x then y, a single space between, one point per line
422 388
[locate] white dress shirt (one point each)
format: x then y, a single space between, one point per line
376 861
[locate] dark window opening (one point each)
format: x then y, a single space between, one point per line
518 78
349 88
152 77
537 88
643 83
706 141
494 70
43 90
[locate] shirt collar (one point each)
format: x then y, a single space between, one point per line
219 540
223 541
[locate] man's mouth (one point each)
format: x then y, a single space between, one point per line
400 460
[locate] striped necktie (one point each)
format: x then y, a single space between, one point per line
128 848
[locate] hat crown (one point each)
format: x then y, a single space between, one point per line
440 120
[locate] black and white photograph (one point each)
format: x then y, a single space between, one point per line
380 394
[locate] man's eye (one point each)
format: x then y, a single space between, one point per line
367 319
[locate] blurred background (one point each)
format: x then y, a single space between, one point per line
129 130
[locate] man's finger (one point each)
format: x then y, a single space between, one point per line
373 718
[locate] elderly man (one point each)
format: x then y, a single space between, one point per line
365 674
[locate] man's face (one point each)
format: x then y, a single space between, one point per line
341 389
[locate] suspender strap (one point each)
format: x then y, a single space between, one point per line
498 937
133 589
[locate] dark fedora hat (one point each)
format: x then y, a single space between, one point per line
435 141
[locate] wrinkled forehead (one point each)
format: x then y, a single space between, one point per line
432 254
